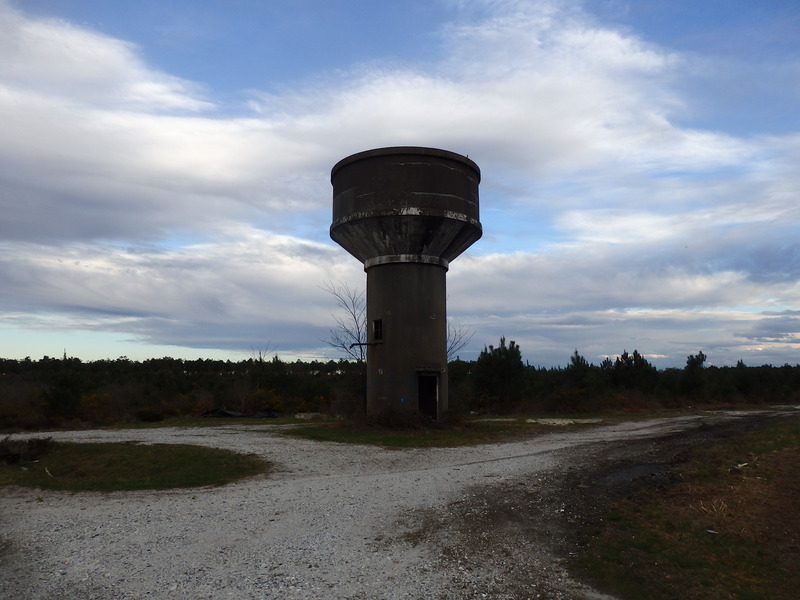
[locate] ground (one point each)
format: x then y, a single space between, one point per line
348 522
515 540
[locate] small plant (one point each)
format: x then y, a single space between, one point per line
13 451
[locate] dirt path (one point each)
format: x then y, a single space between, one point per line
511 540
343 522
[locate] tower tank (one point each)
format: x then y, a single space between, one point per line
406 213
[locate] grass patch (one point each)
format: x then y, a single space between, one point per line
189 421
110 467
178 421
727 527
479 431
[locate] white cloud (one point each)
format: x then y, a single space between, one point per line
50 57
269 284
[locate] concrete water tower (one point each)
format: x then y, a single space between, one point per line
405 213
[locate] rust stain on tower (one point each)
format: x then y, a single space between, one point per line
406 213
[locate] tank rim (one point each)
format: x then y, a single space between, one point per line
406 150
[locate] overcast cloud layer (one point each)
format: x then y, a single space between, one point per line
617 213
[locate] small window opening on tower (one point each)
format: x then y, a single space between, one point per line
377 329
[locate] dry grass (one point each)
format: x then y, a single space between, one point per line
727 527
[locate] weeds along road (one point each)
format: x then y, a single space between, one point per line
337 521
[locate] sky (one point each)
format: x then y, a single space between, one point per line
165 171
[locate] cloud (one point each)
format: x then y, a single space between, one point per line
775 328
121 175
50 57
118 151
236 293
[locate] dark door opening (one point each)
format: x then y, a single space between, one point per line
428 389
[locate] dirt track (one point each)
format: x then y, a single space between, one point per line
512 540
338 521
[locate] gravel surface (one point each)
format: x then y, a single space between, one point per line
332 521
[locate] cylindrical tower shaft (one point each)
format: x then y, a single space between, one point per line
406 213
407 329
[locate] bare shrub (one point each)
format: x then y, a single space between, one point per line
14 451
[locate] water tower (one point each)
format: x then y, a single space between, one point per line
405 213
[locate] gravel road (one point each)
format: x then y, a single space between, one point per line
332 521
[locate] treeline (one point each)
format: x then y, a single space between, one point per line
56 392
498 381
